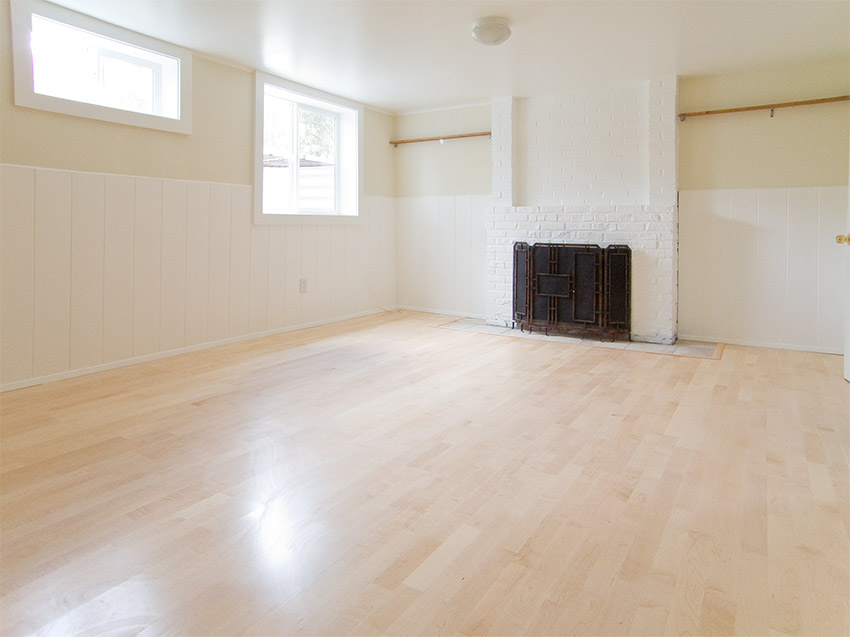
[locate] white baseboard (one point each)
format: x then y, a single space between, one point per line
73 373
431 310
730 341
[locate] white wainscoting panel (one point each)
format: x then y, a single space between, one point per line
17 286
172 318
323 273
218 265
338 265
276 292
761 267
147 270
87 250
101 270
118 266
52 297
258 294
197 262
441 254
292 252
240 261
351 273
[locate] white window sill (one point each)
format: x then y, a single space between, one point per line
308 220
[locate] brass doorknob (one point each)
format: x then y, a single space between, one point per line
842 238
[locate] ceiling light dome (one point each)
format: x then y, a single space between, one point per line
491 31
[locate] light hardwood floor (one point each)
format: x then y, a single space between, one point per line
385 475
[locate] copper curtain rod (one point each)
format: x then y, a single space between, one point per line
396 142
741 109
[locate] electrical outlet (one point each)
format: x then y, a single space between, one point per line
302 285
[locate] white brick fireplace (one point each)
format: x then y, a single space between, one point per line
594 167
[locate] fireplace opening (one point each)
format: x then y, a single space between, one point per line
576 289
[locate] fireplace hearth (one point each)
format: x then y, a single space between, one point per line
576 289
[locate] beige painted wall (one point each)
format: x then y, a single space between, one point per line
457 167
801 146
379 177
219 149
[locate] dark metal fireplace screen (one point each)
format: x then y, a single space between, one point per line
582 290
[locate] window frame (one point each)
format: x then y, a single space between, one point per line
348 187
25 95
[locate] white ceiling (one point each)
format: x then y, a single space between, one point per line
408 55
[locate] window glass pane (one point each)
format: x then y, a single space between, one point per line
78 65
278 153
316 132
127 85
277 126
317 152
61 67
277 190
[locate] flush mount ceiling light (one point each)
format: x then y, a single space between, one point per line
491 31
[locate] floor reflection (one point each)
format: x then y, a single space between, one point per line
275 530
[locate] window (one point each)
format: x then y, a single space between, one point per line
307 152
69 63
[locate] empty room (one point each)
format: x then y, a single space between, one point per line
424 317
